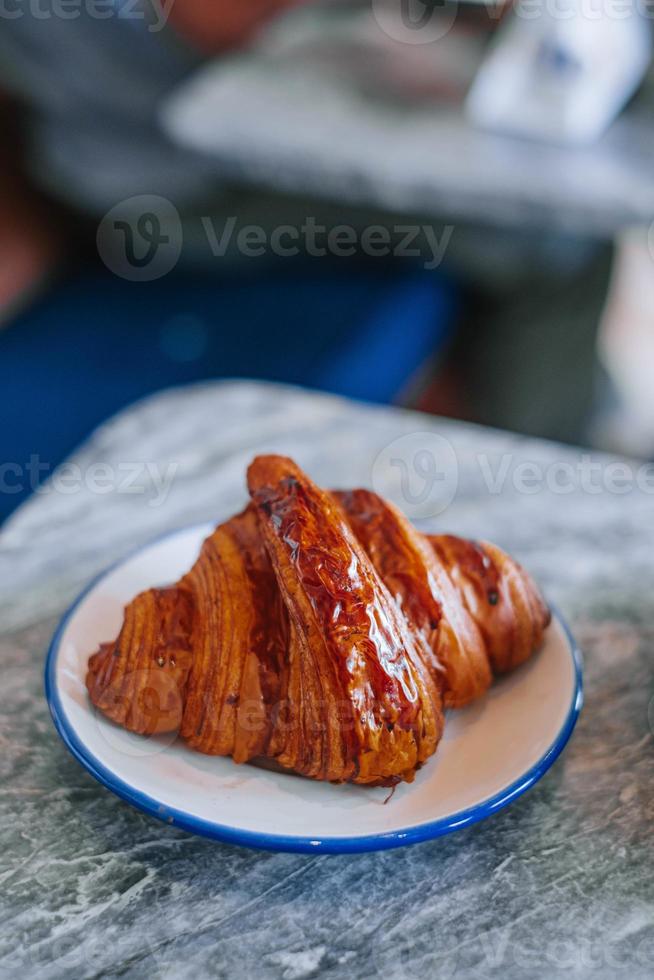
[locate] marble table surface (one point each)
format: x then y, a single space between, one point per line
559 884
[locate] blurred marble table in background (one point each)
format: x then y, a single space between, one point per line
332 102
559 884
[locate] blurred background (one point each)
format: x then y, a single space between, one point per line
441 205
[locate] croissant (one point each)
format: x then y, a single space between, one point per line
368 708
478 610
239 643
420 583
320 631
139 681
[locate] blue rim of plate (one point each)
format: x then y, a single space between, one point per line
279 842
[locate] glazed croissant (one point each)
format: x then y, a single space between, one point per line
319 630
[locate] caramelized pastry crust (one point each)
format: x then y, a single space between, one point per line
139 681
500 596
238 643
419 581
320 631
368 709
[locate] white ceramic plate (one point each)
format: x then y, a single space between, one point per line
491 752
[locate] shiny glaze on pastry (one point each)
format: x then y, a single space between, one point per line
319 631
368 709
419 581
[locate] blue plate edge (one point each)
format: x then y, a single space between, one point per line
274 842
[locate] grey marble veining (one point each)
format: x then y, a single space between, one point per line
559 884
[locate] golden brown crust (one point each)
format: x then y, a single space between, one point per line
499 594
369 711
139 681
321 631
238 644
420 583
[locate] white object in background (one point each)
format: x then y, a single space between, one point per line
626 348
561 73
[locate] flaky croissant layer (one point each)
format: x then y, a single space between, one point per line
319 630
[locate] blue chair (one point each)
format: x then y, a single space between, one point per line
94 343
